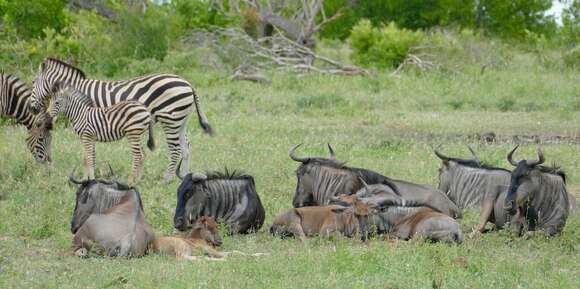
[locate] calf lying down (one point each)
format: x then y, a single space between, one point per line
392 218
322 220
204 238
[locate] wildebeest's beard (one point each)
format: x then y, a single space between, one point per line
95 197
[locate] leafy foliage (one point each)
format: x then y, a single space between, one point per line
381 47
28 18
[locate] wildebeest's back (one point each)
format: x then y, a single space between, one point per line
470 185
429 196
234 202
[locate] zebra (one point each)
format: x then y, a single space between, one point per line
14 103
103 124
168 97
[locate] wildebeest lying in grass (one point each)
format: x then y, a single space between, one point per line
109 217
394 216
323 221
538 194
320 179
227 197
204 237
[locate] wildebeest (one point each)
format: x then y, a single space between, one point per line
109 217
228 197
468 182
404 219
322 220
319 179
537 194
204 237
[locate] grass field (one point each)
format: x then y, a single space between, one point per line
388 124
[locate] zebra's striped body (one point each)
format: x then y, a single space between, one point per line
168 97
14 103
95 124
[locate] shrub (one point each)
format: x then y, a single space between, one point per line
381 47
29 18
572 57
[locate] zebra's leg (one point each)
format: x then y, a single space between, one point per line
172 129
185 147
137 152
88 157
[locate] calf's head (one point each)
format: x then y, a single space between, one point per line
206 228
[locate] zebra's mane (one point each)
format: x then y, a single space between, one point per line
72 93
60 62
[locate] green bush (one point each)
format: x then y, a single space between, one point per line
204 14
29 18
381 47
572 57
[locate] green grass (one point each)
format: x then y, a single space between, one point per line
384 123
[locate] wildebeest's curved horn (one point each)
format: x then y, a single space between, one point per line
475 157
294 157
510 159
440 155
179 169
364 183
72 179
332 155
112 172
539 161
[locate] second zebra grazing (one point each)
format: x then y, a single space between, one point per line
14 102
94 124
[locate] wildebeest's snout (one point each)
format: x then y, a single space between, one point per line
179 223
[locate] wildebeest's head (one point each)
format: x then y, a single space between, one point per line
94 197
191 194
308 180
206 229
449 164
522 183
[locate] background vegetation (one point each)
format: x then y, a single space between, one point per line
520 81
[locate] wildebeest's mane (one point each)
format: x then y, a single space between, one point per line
553 170
367 175
60 62
227 174
478 165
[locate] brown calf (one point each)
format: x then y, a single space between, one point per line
204 237
322 220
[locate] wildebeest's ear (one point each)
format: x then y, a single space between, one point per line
196 177
339 210
446 163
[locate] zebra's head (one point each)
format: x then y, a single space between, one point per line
39 138
40 90
50 71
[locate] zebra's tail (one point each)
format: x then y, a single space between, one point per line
150 141
201 115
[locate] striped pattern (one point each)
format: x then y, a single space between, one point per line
168 97
14 103
95 124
